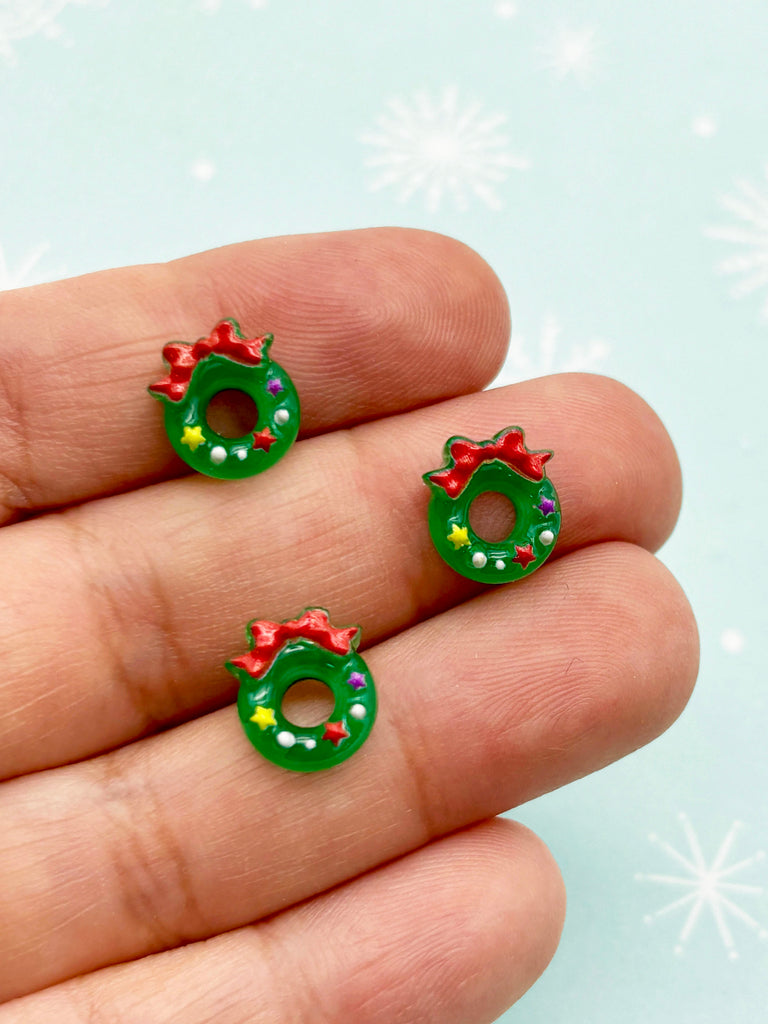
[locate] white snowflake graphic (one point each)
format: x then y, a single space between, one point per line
732 640
22 18
212 6
749 207
704 125
707 886
21 276
525 361
443 148
505 9
203 169
572 51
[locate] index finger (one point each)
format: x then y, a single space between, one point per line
365 322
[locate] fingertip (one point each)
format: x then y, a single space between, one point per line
635 614
407 315
626 441
673 633
476 916
532 902
650 443
366 323
471 295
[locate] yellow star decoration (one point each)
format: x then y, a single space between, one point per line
263 717
458 537
193 437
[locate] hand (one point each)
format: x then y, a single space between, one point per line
153 867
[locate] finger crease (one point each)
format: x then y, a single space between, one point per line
304 972
151 872
88 1005
426 800
155 698
13 496
371 494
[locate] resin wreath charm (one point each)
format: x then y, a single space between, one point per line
284 653
504 465
224 361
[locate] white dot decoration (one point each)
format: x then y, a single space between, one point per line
479 559
286 739
282 416
357 711
310 744
242 454
546 537
218 454
500 564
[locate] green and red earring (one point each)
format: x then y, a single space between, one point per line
284 653
226 360
502 464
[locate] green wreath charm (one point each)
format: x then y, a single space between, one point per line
283 653
224 361
505 465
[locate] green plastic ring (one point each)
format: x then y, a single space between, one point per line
502 464
283 654
224 361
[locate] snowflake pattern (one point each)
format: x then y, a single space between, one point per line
203 169
21 276
572 52
522 363
505 9
213 6
707 886
442 148
704 125
749 207
732 640
22 18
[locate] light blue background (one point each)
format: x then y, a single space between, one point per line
632 242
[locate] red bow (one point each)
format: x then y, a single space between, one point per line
225 340
508 447
270 637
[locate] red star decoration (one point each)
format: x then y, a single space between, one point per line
524 555
335 732
264 439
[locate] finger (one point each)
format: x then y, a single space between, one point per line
191 833
365 323
455 932
149 592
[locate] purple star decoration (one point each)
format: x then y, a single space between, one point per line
275 386
356 680
547 506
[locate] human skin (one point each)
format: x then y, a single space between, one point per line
154 869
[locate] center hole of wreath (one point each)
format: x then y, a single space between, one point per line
492 516
308 702
232 413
